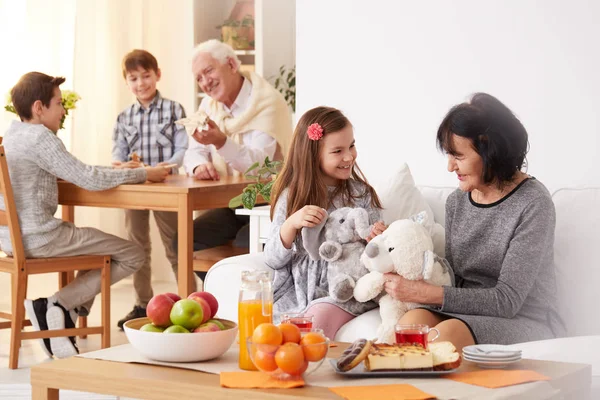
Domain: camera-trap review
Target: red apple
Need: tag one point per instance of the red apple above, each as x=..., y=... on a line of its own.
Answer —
x=212, y=301
x=187, y=313
x=174, y=296
x=205, y=307
x=208, y=327
x=159, y=310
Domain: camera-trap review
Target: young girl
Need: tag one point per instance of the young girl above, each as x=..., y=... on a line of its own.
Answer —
x=320, y=174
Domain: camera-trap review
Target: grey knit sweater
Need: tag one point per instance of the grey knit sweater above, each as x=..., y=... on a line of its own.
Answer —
x=502, y=255
x=36, y=157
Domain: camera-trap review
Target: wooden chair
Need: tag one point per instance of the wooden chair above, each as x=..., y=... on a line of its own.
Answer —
x=20, y=268
x=205, y=259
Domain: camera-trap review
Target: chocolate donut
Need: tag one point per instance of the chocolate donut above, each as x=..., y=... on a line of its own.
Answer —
x=354, y=354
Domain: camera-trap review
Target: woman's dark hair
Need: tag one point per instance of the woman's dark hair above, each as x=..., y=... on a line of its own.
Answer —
x=495, y=132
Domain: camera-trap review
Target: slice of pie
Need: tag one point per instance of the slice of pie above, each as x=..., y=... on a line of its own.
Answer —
x=441, y=356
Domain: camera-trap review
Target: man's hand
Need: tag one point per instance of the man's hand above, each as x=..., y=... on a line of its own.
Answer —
x=128, y=164
x=212, y=136
x=377, y=229
x=156, y=174
x=206, y=172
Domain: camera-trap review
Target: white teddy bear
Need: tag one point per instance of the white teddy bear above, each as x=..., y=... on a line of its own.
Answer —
x=405, y=248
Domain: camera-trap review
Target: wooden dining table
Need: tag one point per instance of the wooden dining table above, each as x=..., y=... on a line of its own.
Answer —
x=178, y=193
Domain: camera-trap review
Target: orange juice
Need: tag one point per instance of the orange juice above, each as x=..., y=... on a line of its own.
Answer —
x=250, y=315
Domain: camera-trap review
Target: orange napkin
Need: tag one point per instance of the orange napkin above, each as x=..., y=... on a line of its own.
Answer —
x=495, y=378
x=388, y=392
x=258, y=380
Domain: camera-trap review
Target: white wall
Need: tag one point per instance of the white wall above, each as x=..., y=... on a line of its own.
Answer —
x=396, y=67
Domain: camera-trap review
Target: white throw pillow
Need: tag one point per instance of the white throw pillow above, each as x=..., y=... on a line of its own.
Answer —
x=400, y=197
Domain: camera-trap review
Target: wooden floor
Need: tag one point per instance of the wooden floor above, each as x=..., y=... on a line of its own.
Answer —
x=32, y=354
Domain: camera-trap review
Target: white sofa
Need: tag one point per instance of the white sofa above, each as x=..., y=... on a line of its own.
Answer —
x=576, y=242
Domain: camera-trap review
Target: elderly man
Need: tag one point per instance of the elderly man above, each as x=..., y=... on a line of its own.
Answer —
x=249, y=120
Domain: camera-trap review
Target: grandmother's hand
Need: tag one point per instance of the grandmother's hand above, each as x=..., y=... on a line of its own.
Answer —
x=420, y=291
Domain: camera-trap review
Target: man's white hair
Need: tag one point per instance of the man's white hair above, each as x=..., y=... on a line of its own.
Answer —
x=219, y=50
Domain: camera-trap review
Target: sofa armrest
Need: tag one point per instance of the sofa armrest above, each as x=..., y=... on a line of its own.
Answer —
x=223, y=281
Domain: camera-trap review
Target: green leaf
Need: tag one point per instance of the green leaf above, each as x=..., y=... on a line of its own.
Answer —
x=252, y=168
x=236, y=201
x=249, y=199
x=265, y=191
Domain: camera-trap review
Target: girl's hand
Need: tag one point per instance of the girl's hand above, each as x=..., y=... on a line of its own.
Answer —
x=378, y=228
x=307, y=216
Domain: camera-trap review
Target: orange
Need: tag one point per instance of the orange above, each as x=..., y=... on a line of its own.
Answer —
x=265, y=361
x=290, y=358
x=313, y=350
x=267, y=333
x=290, y=332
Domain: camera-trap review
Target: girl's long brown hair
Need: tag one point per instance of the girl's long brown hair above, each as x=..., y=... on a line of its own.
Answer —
x=301, y=173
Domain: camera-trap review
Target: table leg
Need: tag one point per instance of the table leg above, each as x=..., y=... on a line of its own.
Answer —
x=185, y=273
x=68, y=214
x=43, y=393
x=255, y=246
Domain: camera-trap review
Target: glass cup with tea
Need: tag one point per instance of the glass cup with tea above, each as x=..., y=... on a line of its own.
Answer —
x=301, y=320
x=415, y=334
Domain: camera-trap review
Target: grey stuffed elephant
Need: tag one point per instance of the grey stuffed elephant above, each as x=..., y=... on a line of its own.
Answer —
x=341, y=239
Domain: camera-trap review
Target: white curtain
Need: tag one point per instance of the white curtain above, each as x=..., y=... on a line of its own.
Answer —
x=85, y=41
x=37, y=35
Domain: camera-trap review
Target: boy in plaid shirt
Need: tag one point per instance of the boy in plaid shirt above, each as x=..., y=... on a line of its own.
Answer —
x=148, y=129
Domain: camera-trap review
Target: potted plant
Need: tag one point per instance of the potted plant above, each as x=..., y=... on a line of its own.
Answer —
x=286, y=84
x=239, y=34
x=69, y=99
x=264, y=176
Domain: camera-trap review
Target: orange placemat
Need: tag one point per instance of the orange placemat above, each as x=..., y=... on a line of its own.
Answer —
x=256, y=380
x=387, y=392
x=495, y=378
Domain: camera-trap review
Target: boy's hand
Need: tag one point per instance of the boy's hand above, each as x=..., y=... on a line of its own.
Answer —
x=307, y=216
x=128, y=164
x=156, y=174
x=377, y=229
x=212, y=135
x=206, y=172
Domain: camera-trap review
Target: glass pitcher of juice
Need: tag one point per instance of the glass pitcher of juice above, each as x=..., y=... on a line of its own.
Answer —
x=255, y=307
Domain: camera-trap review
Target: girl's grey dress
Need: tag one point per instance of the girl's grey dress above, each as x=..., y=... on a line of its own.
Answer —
x=298, y=280
x=502, y=256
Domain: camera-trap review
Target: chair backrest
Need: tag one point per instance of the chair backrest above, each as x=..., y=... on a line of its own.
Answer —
x=8, y=216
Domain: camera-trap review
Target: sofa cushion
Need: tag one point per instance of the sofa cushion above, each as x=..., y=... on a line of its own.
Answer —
x=575, y=246
x=400, y=197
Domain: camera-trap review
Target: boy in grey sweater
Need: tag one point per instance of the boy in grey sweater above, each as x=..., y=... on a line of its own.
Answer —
x=36, y=157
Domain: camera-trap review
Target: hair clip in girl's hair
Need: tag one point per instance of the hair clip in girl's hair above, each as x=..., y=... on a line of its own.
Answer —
x=314, y=131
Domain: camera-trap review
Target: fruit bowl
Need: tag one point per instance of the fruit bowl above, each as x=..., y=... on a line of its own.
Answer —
x=180, y=347
x=289, y=360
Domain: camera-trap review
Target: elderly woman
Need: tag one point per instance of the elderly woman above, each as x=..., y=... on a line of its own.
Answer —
x=499, y=237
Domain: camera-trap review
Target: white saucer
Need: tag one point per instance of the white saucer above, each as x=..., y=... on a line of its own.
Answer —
x=491, y=364
x=499, y=359
x=491, y=351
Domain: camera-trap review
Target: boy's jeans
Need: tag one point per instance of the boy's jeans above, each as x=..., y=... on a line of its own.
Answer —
x=137, y=223
x=126, y=258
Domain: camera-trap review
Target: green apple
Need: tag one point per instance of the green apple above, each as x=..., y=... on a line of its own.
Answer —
x=208, y=327
x=218, y=323
x=176, y=329
x=151, y=328
x=187, y=313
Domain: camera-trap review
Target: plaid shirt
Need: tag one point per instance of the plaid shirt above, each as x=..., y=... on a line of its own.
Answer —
x=151, y=133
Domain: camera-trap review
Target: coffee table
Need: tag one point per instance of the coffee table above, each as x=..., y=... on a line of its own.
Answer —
x=165, y=383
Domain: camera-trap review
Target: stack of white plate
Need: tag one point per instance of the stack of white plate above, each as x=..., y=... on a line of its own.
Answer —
x=491, y=355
